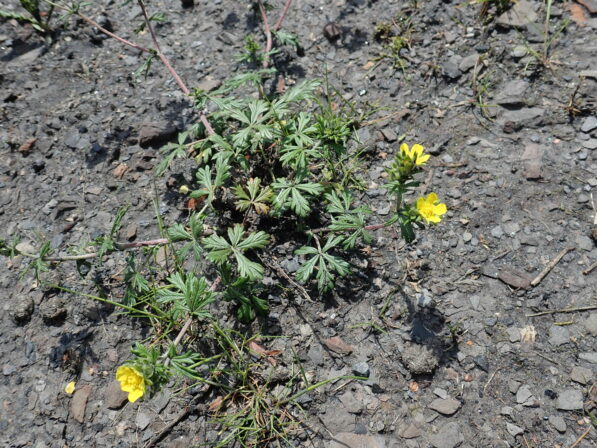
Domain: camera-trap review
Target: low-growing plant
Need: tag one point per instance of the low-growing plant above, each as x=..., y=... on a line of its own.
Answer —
x=38, y=18
x=271, y=169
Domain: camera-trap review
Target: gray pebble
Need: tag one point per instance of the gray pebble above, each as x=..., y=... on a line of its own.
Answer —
x=514, y=430
x=570, y=400
x=558, y=423
x=558, y=335
x=361, y=369
x=589, y=124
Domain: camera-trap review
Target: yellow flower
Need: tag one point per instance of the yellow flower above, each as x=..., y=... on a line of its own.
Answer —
x=415, y=153
x=131, y=381
x=183, y=189
x=70, y=388
x=430, y=209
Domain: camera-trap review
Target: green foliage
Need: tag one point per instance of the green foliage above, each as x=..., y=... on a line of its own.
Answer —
x=254, y=197
x=323, y=264
x=221, y=250
x=187, y=296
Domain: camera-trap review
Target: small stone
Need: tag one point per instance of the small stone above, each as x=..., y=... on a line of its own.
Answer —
x=467, y=237
x=361, y=369
x=589, y=357
x=351, y=404
x=506, y=410
x=441, y=393
x=513, y=334
x=447, y=406
x=581, y=375
x=497, y=232
x=332, y=31
x=558, y=335
x=114, y=397
x=449, y=436
x=78, y=403
x=520, y=14
x=450, y=70
x=591, y=324
x=523, y=394
x=155, y=134
x=558, y=423
x=519, y=51
x=468, y=62
x=588, y=124
x=481, y=362
x=22, y=310
x=142, y=420
x=351, y=440
x=585, y=243
x=570, y=400
x=590, y=144
x=411, y=431
x=514, y=430
x=513, y=94
x=516, y=279
x=389, y=135
x=131, y=231
x=532, y=162
x=208, y=84
x=337, y=345
x=419, y=359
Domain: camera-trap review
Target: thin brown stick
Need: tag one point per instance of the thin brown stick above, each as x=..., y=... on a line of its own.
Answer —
x=117, y=245
x=161, y=55
x=550, y=266
x=369, y=227
x=268, y=34
x=101, y=28
x=565, y=310
x=278, y=24
x=290, y=280
x=179, y=417
x=582, y=436
x=590, y=269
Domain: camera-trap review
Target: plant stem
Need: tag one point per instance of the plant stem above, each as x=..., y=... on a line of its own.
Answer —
x=189, y=320
x=99, y=27
x=161, y=55
x=278, y=24
x=369, y=227
x=268, y=34
x=119, y=246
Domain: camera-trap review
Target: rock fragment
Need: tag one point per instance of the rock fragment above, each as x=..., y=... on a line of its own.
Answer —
x=449, y=436
x=114, y=397
x=447, y=406
x=350, y=440
x=78, y=403
x=520, y=14
x=570, y=400
x=337, y=345
x=532, y=161
x=558, y=423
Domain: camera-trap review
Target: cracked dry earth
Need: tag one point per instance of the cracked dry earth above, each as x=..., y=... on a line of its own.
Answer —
x=473, y=352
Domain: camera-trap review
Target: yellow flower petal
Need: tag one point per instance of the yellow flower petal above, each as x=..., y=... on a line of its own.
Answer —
x=131, y=381
x=432, y=197
x=430, y=209
x=404, y=149
x=70, y=387
x=135, y=395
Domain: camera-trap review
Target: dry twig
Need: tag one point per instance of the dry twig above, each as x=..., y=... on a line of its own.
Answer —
x=550, y=266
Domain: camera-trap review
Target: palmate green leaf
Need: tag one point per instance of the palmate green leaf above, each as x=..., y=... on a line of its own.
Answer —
x=325, y=265
x=187, y=295
x=300, y=92
x=209, y=182
x=293, y=194
x=178, y=233
x=255, y=197
x=221, y=250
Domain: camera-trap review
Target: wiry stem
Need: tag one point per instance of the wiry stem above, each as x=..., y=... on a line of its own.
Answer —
x=117, y=245
x=278, y=24
x=189, y=320
x=268, y=34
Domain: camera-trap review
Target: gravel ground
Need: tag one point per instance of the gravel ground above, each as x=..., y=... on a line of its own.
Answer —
x=474, y=352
